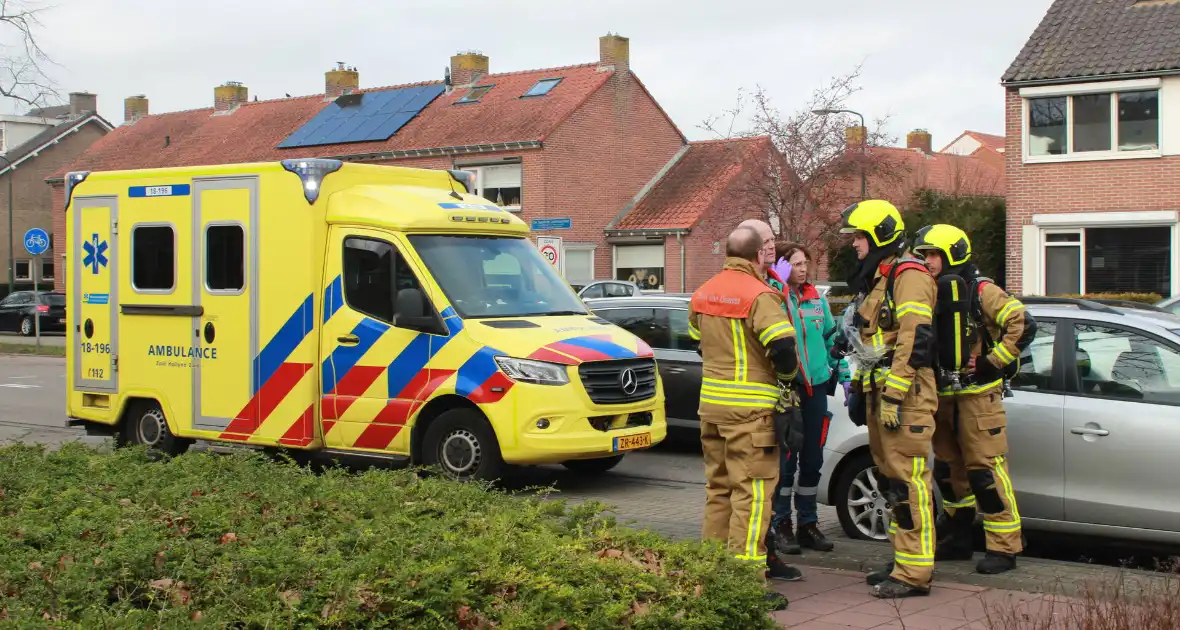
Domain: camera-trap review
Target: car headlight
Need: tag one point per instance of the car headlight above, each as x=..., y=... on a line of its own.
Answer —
x=536, y=372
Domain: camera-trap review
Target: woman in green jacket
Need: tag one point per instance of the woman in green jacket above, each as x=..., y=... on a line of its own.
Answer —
x=819, y=375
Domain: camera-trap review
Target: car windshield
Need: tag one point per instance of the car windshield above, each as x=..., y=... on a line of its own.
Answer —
x=53, y=299
x=496, y=276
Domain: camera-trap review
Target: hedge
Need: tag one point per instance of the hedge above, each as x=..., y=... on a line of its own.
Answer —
x=93, y=540
x=1146, y=298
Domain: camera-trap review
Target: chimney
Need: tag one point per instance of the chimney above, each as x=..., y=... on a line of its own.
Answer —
x=134, y=108
x=82, y=102
x=228, y=96
x=468, y=67
x=614, y=50
x=921, y=140
x=340, y=81
x=854, y=136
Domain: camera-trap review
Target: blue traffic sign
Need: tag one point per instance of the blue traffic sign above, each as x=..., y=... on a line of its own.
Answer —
x=552, y=224
x=36, y=241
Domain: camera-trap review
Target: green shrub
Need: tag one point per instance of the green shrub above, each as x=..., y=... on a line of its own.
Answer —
x=89, y=540
x=1146, y=298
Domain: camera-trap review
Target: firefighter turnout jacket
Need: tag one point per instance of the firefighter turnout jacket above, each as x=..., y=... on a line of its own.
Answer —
x=747, y=343
x=902, y=330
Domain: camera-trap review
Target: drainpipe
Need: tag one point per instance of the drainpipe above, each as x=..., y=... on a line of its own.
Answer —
x=683, y=271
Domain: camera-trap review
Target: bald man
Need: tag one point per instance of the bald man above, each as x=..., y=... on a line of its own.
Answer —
x=766, y=253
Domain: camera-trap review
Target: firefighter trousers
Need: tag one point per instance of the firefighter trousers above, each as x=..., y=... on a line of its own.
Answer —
x=971, y=445
x=741, y=470
x=902, y=457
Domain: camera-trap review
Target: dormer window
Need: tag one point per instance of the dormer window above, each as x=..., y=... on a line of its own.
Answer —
x=542, y=87
x=474, y=94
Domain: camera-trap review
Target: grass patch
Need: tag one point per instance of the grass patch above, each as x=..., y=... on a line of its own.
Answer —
x=92, y=540
x=31, y=349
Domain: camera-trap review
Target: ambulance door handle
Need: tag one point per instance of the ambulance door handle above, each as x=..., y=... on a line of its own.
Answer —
x=349, y=340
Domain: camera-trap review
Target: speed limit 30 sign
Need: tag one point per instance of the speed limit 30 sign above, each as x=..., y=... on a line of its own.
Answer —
x=550, y=247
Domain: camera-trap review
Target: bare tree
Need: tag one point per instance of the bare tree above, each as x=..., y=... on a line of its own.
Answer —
x=814, y=171
x=23, y=63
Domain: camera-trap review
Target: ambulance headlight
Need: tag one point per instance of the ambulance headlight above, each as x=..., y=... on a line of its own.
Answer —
x=536, y=372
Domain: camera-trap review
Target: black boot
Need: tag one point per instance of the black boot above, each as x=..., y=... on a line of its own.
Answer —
x=809, y=536
x=776, y=569
x=784, y=539
x=995, y=563
x=954, y=541
x=876, y=576
x=896, y=589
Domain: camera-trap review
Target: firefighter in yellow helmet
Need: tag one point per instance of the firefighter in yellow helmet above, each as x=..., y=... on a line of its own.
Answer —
x=889, y=332
x=981, y=331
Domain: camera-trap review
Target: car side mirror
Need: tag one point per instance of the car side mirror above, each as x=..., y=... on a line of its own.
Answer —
x=415, y=312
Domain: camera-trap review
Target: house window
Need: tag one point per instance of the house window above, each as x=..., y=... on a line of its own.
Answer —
x=47, y=270
x=500, y=184
x=22, y=270
x=1108, y=260
x=1099, y=124
x=641, y=264
x=579, y=265
x=542, y=87
x=474, y=94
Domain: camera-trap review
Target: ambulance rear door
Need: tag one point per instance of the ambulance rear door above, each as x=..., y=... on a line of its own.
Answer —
x=95, y=268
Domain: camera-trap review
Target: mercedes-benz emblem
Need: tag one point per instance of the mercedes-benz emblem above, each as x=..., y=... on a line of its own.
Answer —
x=628, y=381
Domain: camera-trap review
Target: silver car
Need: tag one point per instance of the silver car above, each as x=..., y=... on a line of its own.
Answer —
x=1093, y=429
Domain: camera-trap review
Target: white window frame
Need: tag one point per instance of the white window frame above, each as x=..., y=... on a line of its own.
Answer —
x=479, y=172
x=44, y=261
x=1114, y=87
x=582, y=248
x=1076, y=223
x=614, y=263
x=16, y=274
x=1080, y=244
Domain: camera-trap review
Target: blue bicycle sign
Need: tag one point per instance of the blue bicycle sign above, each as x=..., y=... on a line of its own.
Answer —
x=36, y=241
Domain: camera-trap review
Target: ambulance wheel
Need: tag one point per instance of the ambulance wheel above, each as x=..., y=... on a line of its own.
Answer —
x=461, y=443
x=26, y=326
x=593, y=466
x=147, y=426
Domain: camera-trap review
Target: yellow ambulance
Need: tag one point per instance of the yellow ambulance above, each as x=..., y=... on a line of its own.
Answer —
x=353, y=309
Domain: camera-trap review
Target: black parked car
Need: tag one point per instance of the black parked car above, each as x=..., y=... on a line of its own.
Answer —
x=18, y=310
x=662, y=321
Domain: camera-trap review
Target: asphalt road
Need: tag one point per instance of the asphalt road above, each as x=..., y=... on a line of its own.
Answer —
x=662, y=488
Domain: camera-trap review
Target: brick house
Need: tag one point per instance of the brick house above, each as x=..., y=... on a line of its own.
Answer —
x=578, y=142
x=49, y=139
x=1093, y=150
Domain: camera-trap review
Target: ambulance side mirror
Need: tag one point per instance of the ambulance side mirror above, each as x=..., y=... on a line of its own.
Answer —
x=415, y=312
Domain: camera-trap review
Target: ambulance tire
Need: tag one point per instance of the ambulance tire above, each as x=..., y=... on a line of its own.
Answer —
x=462, y=444
x=593, y=466
x=146, y=425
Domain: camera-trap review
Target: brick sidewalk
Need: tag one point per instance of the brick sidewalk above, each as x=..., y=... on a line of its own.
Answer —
x=831, y=599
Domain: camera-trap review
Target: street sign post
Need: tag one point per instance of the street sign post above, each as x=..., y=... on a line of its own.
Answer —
x=36, y=243
x=552, y=251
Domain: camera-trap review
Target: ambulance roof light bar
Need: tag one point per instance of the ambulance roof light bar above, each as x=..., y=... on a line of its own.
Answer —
x=311, y=172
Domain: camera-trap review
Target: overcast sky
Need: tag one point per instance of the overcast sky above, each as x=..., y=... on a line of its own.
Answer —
x=934, y=64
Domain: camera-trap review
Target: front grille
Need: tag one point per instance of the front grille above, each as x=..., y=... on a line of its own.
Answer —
x=602, y=380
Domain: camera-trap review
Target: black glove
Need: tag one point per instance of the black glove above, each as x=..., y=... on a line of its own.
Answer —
x=788, y=429
x=985, y=372
x=858, y=408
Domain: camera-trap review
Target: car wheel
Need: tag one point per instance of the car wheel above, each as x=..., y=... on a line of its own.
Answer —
x=593, y=466
x=26, y=326
x=146, y=425
x=463, y=446
x=860, y=501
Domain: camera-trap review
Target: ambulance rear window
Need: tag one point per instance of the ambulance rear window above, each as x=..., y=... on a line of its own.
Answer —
x=153, y=258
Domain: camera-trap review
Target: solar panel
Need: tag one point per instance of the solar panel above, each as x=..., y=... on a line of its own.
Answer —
x=364, y=117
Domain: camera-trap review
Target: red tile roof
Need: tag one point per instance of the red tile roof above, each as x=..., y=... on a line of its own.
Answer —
x=695, y=182
x=908, y=170
x=993, y=142
x=252, y=132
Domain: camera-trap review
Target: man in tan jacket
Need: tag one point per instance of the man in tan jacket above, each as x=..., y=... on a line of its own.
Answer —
x=982, y=331
x=748, y=348
x=894, y=387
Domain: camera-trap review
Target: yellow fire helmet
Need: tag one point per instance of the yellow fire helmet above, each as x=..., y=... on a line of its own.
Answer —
x=948, y=239
x=877, y=218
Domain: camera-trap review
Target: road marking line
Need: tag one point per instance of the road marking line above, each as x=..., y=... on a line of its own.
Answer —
x=19, y=386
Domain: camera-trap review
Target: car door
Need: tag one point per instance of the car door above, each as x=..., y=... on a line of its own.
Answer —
x=680, y=366
x=1035, y=423
x=1122, y=425
x=8, y=320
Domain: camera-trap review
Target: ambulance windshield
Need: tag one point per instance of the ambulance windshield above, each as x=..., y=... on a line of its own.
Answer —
x=496, y=276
